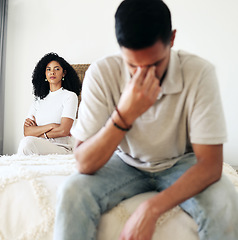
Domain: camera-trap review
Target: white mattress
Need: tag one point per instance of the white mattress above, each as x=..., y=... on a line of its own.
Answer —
x=28, y=187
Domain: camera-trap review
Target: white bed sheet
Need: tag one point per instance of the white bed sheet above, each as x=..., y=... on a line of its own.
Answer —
x=28, y=189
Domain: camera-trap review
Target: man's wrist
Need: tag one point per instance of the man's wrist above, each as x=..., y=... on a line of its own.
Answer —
x=119, y=127
x=128, y=119
x=119, y=120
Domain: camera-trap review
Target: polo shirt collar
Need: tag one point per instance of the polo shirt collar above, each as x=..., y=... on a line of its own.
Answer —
x=173, y=81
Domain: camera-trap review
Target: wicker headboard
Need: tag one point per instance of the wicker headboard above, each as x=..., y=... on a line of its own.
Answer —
x=80, y=70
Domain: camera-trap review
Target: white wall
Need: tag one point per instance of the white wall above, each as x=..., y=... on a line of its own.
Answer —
x=83, y=30
x=79, y=30
x=209, y=28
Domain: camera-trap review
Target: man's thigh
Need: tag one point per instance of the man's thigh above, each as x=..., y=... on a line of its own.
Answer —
x=110, y=185
x=167, y=177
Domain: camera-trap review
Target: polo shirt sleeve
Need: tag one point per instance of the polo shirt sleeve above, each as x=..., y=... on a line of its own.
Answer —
x=70, y=105
x=93, y=111
x=206, y=120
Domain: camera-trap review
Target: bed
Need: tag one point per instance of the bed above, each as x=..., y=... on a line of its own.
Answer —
x=28, y=190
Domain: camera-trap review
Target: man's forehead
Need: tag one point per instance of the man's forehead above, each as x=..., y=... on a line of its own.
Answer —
x=147, y=65
x=145, y=57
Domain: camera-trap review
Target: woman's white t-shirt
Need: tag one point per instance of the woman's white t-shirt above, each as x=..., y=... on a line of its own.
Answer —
x=57, y=104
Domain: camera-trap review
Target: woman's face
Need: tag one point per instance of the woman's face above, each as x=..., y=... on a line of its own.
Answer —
x=54, y=74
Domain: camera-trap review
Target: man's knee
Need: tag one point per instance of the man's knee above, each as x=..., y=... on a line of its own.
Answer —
x=219, y=195
x=76, y=194
x=218, y=201
x=74, y=187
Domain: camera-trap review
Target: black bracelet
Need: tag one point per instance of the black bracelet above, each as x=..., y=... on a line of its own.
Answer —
x=122, y=119
x=119, y=127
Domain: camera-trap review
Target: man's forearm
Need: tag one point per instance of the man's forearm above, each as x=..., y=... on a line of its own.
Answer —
x=92, y=154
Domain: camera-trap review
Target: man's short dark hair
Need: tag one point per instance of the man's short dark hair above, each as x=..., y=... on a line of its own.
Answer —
x=140, y=23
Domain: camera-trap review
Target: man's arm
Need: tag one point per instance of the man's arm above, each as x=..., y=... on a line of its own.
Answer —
x=206, y=171
x=140, y=94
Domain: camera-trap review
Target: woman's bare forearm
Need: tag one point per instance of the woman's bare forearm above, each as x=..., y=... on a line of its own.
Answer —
x=37, y=131
x=52, y=130
x=62, y=129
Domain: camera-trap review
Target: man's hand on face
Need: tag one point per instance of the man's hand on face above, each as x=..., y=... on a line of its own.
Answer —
x=139, y=94
x=141, y=224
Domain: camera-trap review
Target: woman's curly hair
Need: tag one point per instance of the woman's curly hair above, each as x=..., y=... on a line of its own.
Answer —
x=41, y=88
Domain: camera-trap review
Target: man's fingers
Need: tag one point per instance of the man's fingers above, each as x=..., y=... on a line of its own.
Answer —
x=139, y=76
x=149, y=78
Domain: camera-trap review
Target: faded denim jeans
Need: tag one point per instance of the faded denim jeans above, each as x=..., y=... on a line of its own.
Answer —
x=83, y=199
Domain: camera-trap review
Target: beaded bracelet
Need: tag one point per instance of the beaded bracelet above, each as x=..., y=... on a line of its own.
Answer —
x=119, y=127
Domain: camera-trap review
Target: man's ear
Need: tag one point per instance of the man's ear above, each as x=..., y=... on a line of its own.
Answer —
x=172, y=38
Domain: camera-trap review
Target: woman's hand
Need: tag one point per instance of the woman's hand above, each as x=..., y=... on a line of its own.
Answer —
x=32, y=129
x=62, y=129
x=29, y=122
x=53, y=130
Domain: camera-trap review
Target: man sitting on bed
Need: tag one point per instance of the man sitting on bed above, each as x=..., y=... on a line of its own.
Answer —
x=150, y=119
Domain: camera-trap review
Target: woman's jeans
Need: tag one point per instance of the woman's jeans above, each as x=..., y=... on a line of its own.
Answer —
x=84, y=198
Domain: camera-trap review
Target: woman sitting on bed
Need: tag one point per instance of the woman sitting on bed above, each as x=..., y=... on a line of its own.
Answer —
x=47, y=127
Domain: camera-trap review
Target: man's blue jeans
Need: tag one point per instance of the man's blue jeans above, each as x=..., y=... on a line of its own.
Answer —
x=84, y=198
